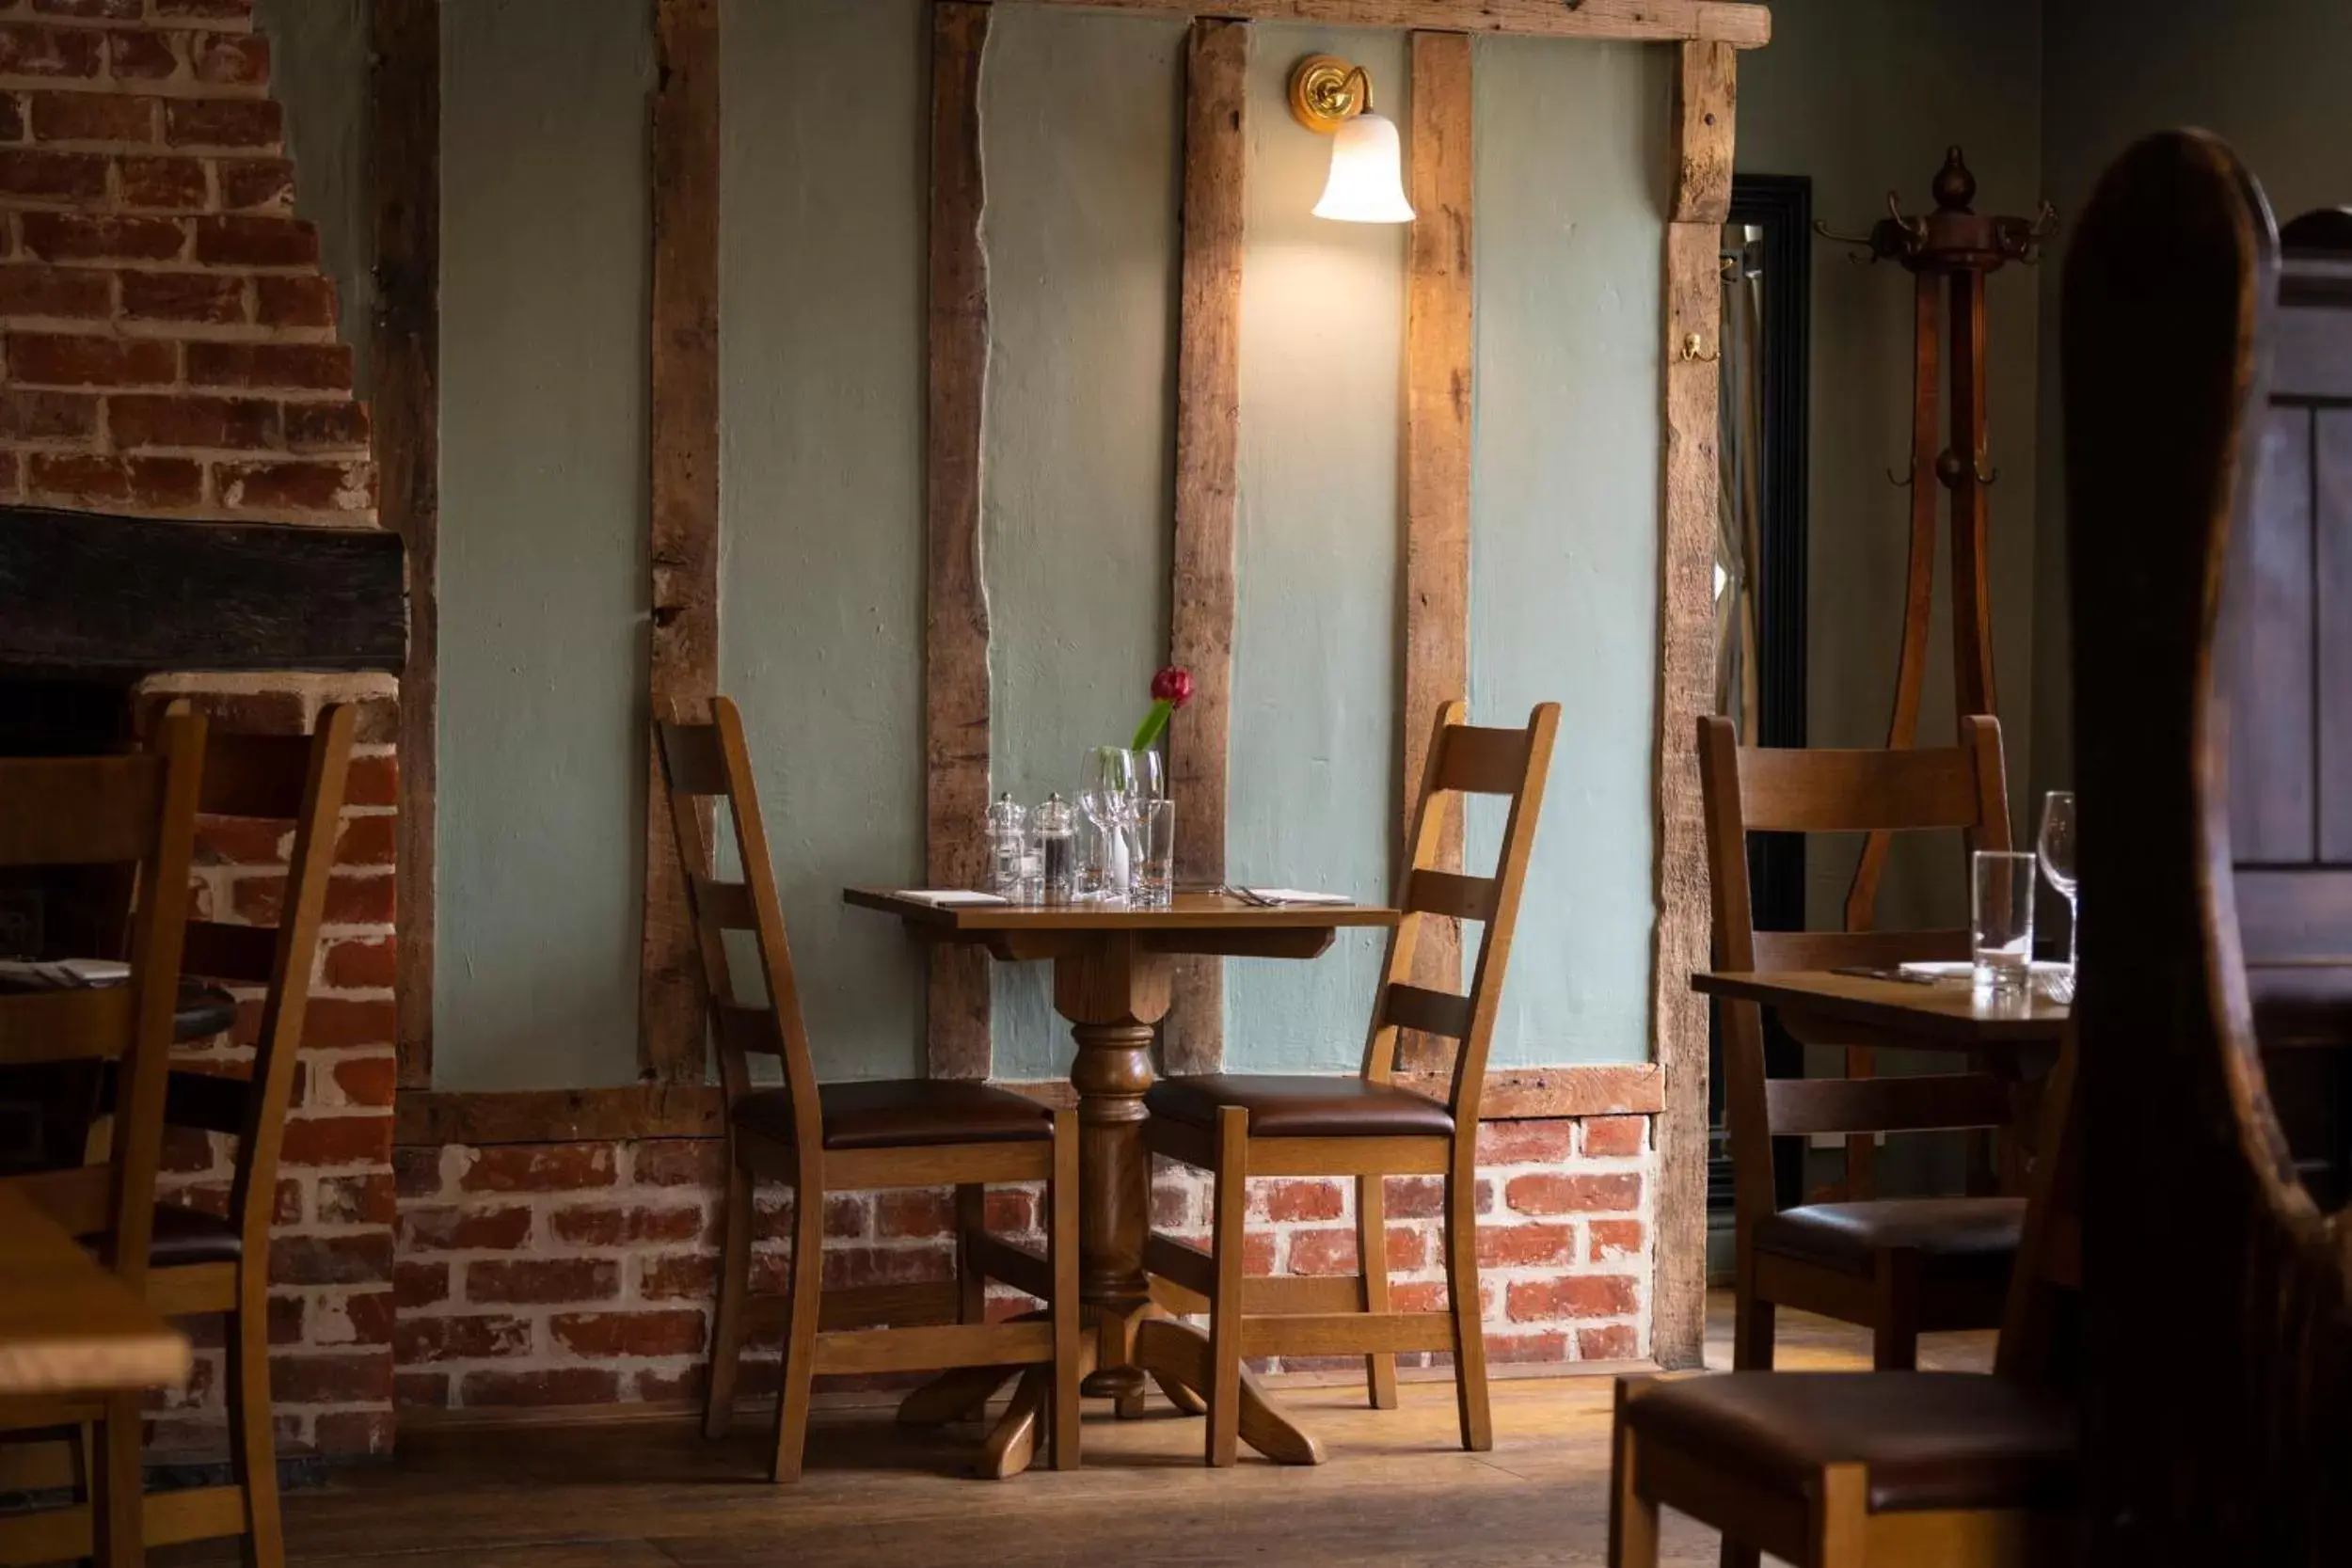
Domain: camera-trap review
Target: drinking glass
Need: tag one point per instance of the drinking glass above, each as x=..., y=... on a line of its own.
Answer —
x=2056, y=849
x=1115, y=781
x=2000, y=920
x=1156, y=855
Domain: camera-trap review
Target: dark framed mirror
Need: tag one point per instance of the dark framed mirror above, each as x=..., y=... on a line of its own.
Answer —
x=1760, y=575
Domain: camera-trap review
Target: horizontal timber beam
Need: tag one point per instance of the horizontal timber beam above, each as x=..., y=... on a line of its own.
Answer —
x=432, y=1118
x=1741, y=25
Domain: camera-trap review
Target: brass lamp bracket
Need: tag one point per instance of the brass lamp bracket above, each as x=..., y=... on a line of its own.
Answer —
x=1327, y=91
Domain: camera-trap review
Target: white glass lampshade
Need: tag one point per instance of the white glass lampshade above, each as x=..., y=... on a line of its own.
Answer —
x=1367, y=182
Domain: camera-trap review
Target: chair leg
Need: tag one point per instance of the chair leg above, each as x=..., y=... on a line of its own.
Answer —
x=1228, y=1221
x=971, y=1285
x=1372, y=1254
x=1752, y=1327
x=118, y=1501
x=735, y=1289
x=799, y=1333
x=1894, y=1331
x=1061, y=1202
x=1632, y=1518
x=1462, y=1301
x=1841, y=1518
x=254, y=1456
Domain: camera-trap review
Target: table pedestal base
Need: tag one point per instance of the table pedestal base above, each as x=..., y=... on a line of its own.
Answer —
x=1174, y=1355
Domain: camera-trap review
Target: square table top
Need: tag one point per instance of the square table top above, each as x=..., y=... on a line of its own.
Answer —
x=67, y=1325
x=1934, y=1012
x=1189, y=911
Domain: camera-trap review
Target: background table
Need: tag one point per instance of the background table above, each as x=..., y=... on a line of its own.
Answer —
x=1112, y=970
x=1903, y=1014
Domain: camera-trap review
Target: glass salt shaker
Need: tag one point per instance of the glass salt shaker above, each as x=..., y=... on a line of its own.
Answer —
x=1008, y=846
x=1057, y=833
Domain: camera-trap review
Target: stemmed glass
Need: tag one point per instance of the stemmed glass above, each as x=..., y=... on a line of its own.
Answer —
x=1115, y=785
x=2056, y=848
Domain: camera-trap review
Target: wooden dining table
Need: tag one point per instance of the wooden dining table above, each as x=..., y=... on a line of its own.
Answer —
x=1113, y=969
x=1946, y=1015
x=69, y=1326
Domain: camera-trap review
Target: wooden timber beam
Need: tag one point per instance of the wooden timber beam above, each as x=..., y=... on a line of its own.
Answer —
x=1705, y=95
x=1208, y=461
x=1439, y=317
x=481, y=1118
x=684, y=480
x=1727, y=22
x=406, y=88
x=955, y=642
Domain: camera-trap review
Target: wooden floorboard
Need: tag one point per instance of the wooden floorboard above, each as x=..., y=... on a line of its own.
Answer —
x=1397, y=1490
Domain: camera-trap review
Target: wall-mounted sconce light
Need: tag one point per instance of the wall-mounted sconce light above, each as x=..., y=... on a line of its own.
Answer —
x=1367, y=184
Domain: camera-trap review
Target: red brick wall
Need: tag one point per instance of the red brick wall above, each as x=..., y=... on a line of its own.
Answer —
x=169, y=346
x=575, y=1274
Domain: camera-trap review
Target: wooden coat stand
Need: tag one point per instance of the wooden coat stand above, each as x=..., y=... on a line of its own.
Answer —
x=1949, y=253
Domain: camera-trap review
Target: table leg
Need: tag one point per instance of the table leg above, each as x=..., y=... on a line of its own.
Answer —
x=1176, y=1353
x=1113, y=993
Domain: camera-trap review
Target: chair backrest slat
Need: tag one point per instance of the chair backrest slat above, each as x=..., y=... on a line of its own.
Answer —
x=79, y=811
x=256, y=775
x=1432, y=1012
x=710, y=759
x=752, y=1030
x=725, y=905
x=1926, y=1102
x=1475, y=761
x=240, y=955
x=1806, y=791
x=1851, y=949
x=691, y=760
x=1746, y=790
x=1451, y=894
x=1462, y=760
x=87, y=1025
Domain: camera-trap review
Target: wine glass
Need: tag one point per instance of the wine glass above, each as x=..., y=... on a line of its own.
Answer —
x=1107, y=793
x=2056, y=848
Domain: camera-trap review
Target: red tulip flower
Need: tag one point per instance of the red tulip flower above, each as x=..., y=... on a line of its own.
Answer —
x=1172, y=688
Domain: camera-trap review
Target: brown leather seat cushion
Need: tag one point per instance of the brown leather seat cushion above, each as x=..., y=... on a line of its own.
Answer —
x=185, y=1236
x=904, y=1113
x=1932, y=1440
x=1303, y=1106
x=1955, y=1235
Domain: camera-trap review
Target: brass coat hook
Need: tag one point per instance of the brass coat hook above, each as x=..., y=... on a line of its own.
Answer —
x=1694, y=351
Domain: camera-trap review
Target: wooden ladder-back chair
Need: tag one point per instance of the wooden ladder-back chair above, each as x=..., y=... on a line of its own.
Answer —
x=2208, y=401
x=199, y=1263
x=137, y=812
x=1889, y=1469
x=1901, y=1266
x=1236, y=1126
x=855, y=1137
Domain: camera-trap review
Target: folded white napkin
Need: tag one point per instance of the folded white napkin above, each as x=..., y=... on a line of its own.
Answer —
x=950, y=897
x=1296, y=895
x=66, y=974
x=1961, y=969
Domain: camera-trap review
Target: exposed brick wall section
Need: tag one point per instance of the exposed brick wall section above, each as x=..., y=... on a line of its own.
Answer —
x=580, y=1273
x=169, y=347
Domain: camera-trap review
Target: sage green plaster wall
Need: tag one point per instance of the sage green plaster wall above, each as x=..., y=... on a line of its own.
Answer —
x=1865, y=99
x=823, y=185
x=1082, y=132
x=1315, y=670
x=1573, y=159
x=822, y=355
x=543, y=541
